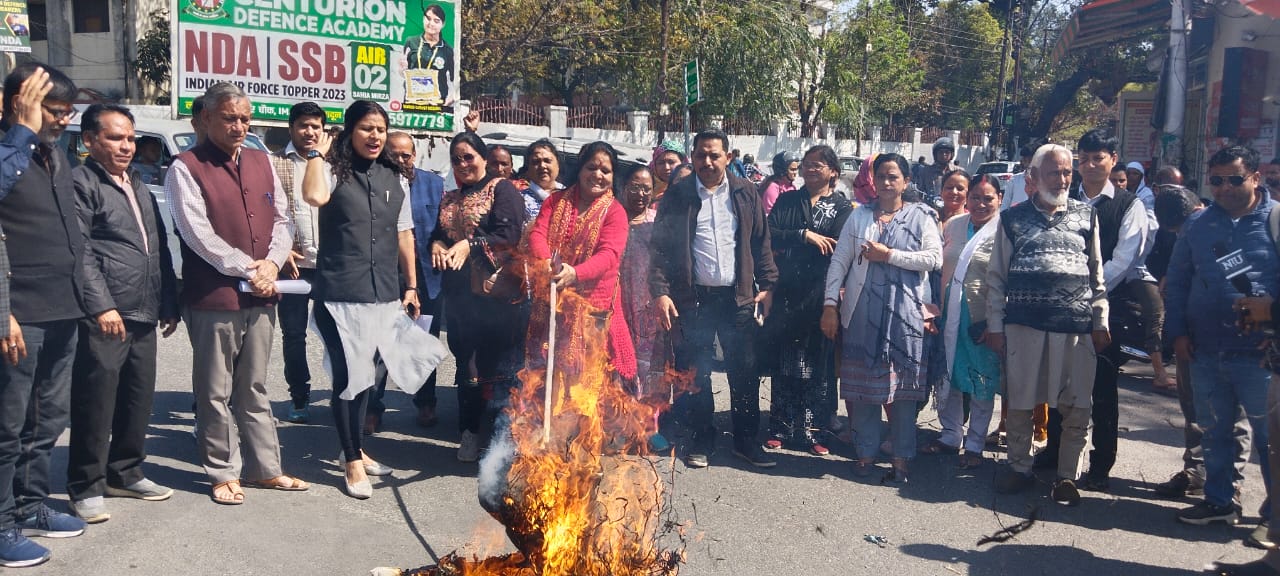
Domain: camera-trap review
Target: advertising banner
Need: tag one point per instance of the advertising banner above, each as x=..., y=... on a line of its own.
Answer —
x=15, y=36
x=401, y=54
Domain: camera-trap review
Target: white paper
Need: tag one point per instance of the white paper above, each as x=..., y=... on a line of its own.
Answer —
x=424, y=322
x=282, y=286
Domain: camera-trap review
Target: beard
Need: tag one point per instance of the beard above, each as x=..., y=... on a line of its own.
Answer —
x=1055, y=198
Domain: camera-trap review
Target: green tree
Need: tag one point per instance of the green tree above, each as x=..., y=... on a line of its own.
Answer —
x=894, y=76
x=153, y=63
x=961, y=44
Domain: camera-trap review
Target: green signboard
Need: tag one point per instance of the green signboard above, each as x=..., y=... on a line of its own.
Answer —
x=16, y=34
x=692, y=84
x=401, y=54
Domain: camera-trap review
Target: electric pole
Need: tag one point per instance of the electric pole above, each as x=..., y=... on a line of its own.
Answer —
x=998, y=120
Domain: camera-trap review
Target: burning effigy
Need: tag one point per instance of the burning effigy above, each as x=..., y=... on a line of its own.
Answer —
x=569, y=473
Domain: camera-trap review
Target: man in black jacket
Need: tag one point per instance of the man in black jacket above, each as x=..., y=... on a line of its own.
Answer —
x=711, y=274
x=45, y=250
x=129, y=286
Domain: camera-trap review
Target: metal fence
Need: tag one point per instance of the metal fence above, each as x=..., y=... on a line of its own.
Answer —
x=598, y=117
x=503, y=111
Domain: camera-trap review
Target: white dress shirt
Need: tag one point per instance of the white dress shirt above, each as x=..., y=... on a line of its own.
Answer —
x=1016, y=192
x=715, y=237
x=1126, y=261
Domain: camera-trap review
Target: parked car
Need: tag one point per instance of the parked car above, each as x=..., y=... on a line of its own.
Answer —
x=175, y=137
x=1002, y=170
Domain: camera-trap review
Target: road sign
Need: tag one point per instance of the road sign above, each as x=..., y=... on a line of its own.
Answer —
x=692, y=84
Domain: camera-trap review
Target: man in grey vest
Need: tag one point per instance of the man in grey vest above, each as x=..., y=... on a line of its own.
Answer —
x=232, y=215
x=1047, y=315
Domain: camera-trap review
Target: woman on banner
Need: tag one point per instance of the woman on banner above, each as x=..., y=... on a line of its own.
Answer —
x=479, y=227
x=428, y=69
x=365, y=246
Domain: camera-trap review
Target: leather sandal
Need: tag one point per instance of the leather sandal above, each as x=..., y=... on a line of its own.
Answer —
x=282, y=482
x=231, y=487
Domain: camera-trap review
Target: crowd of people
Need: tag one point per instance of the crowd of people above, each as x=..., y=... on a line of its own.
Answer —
x=871, y=296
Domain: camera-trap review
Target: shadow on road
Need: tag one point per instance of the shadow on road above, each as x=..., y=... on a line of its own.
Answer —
x=1029, y=559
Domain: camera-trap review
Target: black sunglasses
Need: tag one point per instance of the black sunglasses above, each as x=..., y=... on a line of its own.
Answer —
x=1235, y=180
x=467, y=158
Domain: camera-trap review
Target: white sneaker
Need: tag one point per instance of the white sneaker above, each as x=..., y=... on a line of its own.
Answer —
x=469, y=447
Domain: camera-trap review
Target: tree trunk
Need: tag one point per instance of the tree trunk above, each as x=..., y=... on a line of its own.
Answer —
x=1063, y=93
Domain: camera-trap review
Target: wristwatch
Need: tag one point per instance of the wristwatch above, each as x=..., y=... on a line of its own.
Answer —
x=313, y=154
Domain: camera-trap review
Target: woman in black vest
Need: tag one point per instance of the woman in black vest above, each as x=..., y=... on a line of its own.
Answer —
x=366, y=231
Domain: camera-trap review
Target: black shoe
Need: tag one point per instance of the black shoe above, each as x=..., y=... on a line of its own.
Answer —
x=1179, y=485
x=1046, y=459
x=1013, y=482
x=1095, y=484
x=1204, y=513
x=753, y=453
x=1065, y=492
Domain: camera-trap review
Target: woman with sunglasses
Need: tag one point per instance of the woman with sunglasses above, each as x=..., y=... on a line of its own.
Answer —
x=479, y=227
x=803, y=227
x=365, y=246
x=580, y=236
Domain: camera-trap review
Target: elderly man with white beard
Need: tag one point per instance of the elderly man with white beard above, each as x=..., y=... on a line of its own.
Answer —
x=1047, y=314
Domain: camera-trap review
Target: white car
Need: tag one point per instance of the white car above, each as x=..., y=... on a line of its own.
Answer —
x=175, y=137
x=1002, y=170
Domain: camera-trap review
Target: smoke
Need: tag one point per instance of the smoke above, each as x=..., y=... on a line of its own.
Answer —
x=495, y=465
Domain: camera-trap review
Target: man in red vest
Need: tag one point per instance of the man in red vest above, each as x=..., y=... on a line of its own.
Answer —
x=232, y=216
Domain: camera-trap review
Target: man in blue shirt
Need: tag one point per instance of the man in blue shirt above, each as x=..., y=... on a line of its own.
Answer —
x=425, y=191
x=1201, y=288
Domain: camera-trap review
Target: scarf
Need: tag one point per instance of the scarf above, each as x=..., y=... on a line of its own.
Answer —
x=955, y=293
x=461, y=213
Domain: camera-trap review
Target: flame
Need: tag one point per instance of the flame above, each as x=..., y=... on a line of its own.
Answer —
x=588, y=501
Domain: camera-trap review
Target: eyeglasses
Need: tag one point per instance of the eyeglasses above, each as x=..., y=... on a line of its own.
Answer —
x=403, y=157
x=463, y=159
x=638, y=189
x=814, y=166
x=60, y=113
x=1235, y=180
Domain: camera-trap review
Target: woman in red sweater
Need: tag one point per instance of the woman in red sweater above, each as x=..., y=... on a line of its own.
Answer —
x=584, y=229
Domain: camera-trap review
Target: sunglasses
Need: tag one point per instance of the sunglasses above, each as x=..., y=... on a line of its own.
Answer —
x=1235, y=180
x=464, y=159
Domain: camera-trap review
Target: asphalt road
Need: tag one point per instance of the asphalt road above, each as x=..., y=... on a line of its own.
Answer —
x=806, y=516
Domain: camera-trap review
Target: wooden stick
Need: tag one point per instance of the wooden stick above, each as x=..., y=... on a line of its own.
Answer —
x=551, y=368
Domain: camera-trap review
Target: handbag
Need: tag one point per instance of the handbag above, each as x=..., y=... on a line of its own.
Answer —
x=497, y=282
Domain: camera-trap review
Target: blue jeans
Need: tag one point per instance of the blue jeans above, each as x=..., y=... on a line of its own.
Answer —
x=1224, y=383
x=35, y=402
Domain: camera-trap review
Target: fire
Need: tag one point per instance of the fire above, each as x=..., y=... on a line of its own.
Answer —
x=588, y=501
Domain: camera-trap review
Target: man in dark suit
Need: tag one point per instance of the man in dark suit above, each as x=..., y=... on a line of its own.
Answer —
x=46, y=245
x=129, y=287
x=711, y=275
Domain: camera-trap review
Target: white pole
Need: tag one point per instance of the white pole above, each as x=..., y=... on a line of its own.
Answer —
x=551, y=368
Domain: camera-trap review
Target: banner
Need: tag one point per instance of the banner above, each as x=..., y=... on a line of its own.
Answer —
x=401, y=54
x=15, y=36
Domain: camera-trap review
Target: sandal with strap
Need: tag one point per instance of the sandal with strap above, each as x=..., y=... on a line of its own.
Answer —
x=938, y=447
x=282, y=482
x=231, y=487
